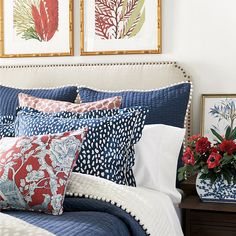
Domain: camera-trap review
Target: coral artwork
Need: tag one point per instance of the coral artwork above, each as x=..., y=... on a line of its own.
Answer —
x=119, y=19
x=36, y=19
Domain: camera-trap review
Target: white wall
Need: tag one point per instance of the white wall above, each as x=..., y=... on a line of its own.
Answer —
x=199, y=34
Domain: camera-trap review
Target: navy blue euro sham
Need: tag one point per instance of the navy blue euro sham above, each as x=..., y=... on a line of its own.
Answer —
x=107, y=151
x=166, y=106
x=85, y=217
x=9, y=96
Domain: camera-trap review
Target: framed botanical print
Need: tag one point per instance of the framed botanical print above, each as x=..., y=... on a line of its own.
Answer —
x=218, y=113
x=110, y=27
x=36, y=28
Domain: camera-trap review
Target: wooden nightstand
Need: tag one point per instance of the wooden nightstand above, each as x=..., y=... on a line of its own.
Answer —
x=208, y=219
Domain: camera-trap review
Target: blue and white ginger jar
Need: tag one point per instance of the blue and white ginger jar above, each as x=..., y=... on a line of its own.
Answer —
x=220, y=191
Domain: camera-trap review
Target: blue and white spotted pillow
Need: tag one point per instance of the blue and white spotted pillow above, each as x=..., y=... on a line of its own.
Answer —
x=85, y=115
x=7, y=126
x=107, y=151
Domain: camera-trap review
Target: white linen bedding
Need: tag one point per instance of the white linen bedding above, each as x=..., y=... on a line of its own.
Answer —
x=156, y=158
x=153, y=209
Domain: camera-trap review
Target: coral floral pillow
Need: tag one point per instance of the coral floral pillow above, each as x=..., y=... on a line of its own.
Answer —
x=34, y=170
x=47, y=105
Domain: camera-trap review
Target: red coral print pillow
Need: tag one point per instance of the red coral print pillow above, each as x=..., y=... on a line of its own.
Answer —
x=47, y=105
x=34, y=170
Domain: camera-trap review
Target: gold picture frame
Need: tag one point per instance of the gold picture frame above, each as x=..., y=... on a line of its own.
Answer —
x=211, y=108
x=156, y=50
x=70, y=37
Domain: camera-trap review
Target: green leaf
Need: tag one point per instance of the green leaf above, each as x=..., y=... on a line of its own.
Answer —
x=183, y=168
x=218, y=136
x=227, y=159
x=233, y=134
x=196, y=167
x=31, y=34
x=181, y=176
x=139, y=25
x=228, y=132
x=227, y=175
x=234, y=179
x=134, y=16
x=190, y=170
x=203, y=176
x=213, y=178
x=205, y=169
x=125, y=4
x=181, y=173
x=22, y=17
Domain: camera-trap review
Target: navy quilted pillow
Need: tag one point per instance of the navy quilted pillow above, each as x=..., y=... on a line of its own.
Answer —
x=9, y=96
x=107, y=151
x=166, y=106
x=7, y=127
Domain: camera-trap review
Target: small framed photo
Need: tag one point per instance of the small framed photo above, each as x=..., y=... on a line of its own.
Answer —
x=218, y=112
x=30, y=28
x=111, y=27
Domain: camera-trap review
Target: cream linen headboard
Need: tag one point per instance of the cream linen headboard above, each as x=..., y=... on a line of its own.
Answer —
x=114, y=76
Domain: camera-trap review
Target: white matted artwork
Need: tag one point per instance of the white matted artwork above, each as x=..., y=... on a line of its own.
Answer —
x=218, y=112
x=36, y=28
x=120, y=27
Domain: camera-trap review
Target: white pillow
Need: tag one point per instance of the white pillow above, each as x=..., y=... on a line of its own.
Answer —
x=156, y=160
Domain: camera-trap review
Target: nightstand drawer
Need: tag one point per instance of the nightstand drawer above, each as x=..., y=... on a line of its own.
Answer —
x=208, y=219
x=207, y=223
x=204, y=230
x=213, y=218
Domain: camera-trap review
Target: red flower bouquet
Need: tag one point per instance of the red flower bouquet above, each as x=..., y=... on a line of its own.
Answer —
x=210, y=160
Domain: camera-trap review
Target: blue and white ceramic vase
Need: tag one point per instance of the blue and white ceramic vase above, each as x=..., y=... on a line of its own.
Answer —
x=220, y=191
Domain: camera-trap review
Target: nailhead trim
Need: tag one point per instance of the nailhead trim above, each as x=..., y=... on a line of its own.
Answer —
x=93, y=64
x=188, y=118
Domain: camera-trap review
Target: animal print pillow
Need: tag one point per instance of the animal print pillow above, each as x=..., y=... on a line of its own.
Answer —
x=7, y=126
x=107, y=151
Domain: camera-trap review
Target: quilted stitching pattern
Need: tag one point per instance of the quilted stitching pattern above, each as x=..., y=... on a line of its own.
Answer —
x=166, y=106
x=80, y=223
x=9, y=96
x=10, y=226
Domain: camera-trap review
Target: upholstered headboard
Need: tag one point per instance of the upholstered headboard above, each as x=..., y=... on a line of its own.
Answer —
x=116, y=76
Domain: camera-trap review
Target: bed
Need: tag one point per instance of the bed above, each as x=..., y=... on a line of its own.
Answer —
x=93, y=205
